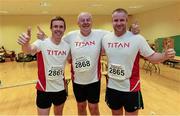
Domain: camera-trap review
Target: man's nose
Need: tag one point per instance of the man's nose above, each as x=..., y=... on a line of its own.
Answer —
x=86, y=21
x=118, y=22
x=58, y=28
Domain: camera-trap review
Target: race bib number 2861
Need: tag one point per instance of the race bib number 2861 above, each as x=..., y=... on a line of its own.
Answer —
x=55, y=72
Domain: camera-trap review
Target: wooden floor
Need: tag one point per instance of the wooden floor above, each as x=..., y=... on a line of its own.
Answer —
x=161, y=92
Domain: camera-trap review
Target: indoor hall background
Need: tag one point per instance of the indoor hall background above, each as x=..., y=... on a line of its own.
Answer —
x=161, y=92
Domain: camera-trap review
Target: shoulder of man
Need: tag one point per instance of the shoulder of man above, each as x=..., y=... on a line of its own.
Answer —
x=108, y=35
x=72, y=32
x=101, y=30
x=68, y=37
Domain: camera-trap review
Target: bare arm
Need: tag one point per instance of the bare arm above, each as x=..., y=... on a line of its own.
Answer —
x=160, y=57
x=24, y=39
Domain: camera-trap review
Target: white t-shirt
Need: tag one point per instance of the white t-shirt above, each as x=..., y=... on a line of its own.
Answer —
x=123, y=55
x=85, y=52
x=51, y=60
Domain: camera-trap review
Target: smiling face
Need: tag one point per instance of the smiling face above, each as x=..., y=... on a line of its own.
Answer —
x=57, y=29
x=85, y=23
x=135, y=29
x=119, y=22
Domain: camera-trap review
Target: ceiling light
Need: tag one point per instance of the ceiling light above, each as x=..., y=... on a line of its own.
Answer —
x=95, y=5
x=43, y=4
x=136, y=7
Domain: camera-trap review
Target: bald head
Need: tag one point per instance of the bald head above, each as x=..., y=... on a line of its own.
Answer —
x=85, y=23
x=84, y=14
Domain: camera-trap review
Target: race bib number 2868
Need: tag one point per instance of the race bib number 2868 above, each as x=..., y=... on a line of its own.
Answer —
x=82, y=64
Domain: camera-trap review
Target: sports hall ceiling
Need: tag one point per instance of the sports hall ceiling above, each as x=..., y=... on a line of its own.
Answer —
x=74, y=7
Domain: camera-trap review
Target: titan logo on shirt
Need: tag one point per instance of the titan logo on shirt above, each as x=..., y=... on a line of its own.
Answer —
x=119, y=45
x=56, y=52
x=84, y=43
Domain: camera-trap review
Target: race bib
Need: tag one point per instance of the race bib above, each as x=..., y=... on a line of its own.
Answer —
x=55, y=72
x=116, y=71
x=82, y=64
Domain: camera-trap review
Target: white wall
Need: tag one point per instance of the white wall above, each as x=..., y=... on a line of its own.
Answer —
x=162, y=22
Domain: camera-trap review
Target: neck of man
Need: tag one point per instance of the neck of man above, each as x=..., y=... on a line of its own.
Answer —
x=119, y=33
x=85, y=33
x=56, y=40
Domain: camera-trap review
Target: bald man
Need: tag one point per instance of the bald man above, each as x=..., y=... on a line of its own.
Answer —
x=85, y=47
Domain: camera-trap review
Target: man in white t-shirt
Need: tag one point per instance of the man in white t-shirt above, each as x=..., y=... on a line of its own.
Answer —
x=85, y=47
x=51, y=57
x=123, y=52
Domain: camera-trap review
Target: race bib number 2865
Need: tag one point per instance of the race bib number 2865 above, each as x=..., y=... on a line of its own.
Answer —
x=116, y=71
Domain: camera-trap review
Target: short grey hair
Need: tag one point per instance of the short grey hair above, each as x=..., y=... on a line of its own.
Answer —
x=83, y=13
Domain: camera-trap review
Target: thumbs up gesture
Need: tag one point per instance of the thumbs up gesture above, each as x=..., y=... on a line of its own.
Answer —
x=40, y=34
x=170, y=53
x=24, y=38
